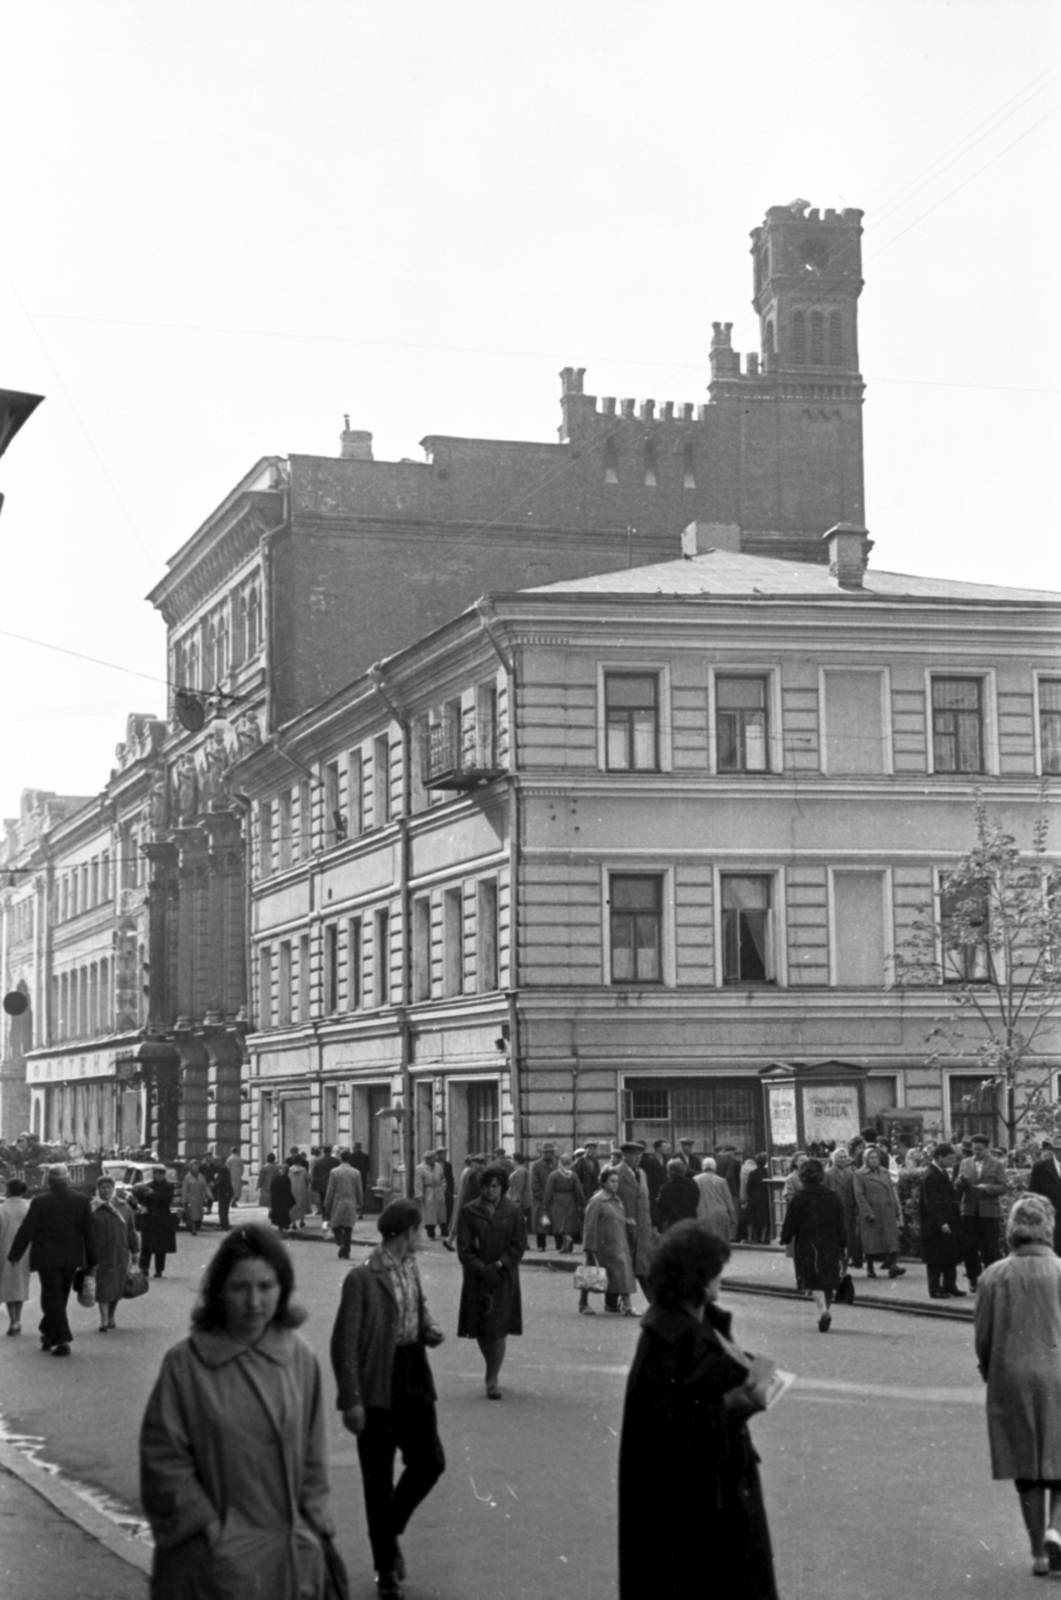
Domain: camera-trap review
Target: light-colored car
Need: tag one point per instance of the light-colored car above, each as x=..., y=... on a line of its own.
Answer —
x=127, y=1174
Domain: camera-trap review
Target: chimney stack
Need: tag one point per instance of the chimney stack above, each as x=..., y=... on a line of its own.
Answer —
x=700, y=537
x=354, y=443
x=849, y=546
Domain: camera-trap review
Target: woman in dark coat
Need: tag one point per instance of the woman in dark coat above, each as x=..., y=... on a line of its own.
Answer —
x=491, y=1239
x=678, y=1196
x=941, y=1226
x=158, y=1230
x=814, y=1225
x=757, y=1213
x=686, y=1460
x=281, y=1199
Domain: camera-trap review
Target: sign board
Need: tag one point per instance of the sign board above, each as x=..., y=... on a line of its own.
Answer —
x=781, y=1098
x=830, y=1112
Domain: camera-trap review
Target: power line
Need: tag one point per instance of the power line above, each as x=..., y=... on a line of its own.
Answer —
x=46, y=644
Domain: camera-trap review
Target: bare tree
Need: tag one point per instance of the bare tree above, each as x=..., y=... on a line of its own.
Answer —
x=992, y=941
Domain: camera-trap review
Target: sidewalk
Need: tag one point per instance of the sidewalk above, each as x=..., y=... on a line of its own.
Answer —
x=56, y=1546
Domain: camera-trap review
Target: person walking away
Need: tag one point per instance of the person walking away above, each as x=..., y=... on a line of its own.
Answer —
x=540, y=1171
x=1017, y=1334
x=236, y=1168
x=653, y=1164
x=233, y=1461
x=728, y=1165
x=442, y=1155
x=686, y=1459
x=981, y=1184
x=281, y=1199
x=467, y=1189
x=606, y=1241
x=755, y=1215
x=941, y=1226
x=14, y=1275
x=491, y=1242
x=223, y=1194
x=1045, y=1179
x=429, y=1189
x=195, y=1195
x=57, y=1232
x=298, y=1174
x=840, y=1178
x=679, y=1198
x=519, y=1188
x=320, y=1171
x=386, y=1393
x=878, y=1214
x=344, y=1202
x=633, y=1192
x=362, y=1164
x=157, y=1228
x=814, y=1225
x=715, y=1203
x=564, y=1204
x=117, y=1245
x=269, y=1171
x=501, y=1159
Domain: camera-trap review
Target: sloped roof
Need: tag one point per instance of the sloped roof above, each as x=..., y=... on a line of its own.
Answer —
x=728, y=572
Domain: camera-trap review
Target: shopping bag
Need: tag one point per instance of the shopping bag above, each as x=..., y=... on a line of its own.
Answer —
x=135, y=1283
x=86, y=1293
x=845, y=1294
x=593, y=1279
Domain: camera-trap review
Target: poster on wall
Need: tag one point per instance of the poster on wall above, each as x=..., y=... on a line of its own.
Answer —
x=782, y=1100
x=830, y=1112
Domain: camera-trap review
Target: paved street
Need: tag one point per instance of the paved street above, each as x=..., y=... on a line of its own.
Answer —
x=875, y=1464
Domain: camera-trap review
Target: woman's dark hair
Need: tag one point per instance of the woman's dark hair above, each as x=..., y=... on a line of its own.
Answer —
x=675, y=1167
x=686, y=1260
x=252, y=1243
x=271, y=1156
x=496, y=1174
x=812, y=1172
x=398, y=1216
x=15, y=1186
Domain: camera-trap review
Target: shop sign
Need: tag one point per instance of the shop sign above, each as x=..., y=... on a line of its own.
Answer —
x=830, y=1112
x=782, y=1101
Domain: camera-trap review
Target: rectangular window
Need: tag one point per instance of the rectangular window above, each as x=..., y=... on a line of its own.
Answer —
x=854, y=722
x=741, y=720
x=334, y=818
x=957, y=725
x=486, y=727
x=963, y=915
x=283, y=983
x=381, y=780
x=265, y=986
x=355, y=998
x=285, y=825
x=382, y=957
x=484, y=1126
x=973, y=1109
x=305, y=975
x=355, y=793
x=305, y=820
x=747, y=929
x=858, y=931
x=636, y=927
x=712, y=1114
x=486, y=965
x=453, y=941
x=331, y=968
x=422, y=948
x=105, y=875
x=265, y=837
x=631, y=710
x=94, y=881
x=1050, y=724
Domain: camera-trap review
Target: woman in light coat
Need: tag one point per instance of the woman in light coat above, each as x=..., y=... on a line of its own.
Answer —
x=606, y=1242
x=878, y=1214
x=716, y=1207
x=117, y=1244
x=429, y=1187
x=299, y=1179
x=1017, y=1334
x=233, y=1474
x=14, y=1275
x=195, y=1197
x=343, y=1201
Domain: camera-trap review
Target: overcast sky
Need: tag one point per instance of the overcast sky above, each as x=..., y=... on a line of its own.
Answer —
x=227, y=224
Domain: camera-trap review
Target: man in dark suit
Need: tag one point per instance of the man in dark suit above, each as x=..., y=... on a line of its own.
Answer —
x=727, y=1165
x=57, y=1232
x=981, y=1183
x=653, y=1164
x=685, y=1150
x=1045, y=1179
x=941, y=1227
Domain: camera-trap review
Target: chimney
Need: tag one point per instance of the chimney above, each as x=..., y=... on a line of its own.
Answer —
x=849, y=546
x=701, y=537
x=354, y=443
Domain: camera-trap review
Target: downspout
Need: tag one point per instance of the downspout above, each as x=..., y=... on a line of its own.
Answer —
x=243, y=805
x=483, y=609
x=406, y=1130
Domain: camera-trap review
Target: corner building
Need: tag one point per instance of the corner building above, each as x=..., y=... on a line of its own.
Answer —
x=632, y=854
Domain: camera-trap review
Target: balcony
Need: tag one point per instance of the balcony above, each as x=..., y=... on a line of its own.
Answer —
x=452, y=761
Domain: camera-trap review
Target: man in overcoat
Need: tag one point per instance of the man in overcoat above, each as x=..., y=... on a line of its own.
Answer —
x=386, y=1391
x=1045, y=1179
x=941, y=1226
x=981, y=1184
x=633, y=1192
x=319, y=1173
x=540, y=1171
x=587, y=1169
x=57, y=1231
x=343, y=1202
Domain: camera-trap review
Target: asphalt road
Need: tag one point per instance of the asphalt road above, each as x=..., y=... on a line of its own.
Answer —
x=874, y=1464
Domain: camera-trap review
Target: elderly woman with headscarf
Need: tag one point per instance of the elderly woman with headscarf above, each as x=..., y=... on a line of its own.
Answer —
x=814, y=1225
x=717, y=1208
x=878, y=1214
x=564, y=1204
x=117, y=1246
x=607, y=1242
x=840, y=1178
x=1017, y=1334
x=679, y=1198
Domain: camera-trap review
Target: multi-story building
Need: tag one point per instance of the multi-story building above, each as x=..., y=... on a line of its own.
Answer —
x=313, y=568
x=634, y=854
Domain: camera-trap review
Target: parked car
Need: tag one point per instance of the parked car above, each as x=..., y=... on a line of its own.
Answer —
x=127, y=1174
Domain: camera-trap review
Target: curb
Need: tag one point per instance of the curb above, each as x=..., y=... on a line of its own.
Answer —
x=75, y=1508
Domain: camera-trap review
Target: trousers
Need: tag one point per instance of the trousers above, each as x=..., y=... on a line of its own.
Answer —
x=410, y=1425
x=56, y=1283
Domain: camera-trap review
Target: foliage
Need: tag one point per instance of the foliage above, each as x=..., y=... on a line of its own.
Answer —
x=993, y=944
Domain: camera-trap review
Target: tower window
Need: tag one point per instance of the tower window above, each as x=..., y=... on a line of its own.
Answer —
x=651, y=477
x=688, y=468
x=768, y=337
x=799, y=339
x=611, y=462
x=836, y=343
x=817, y=339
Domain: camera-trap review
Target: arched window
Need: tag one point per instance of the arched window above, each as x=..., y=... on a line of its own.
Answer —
x=651, y=475
x=254, y=621
x=768, y=337
x=191, y=680
x=611, y=462
x=222, y=645
x=210, y=654
x=106, y=1010
x=239, y=630
x=799, y=339
x=817, y=339
x=688, y=468
x=836, y=342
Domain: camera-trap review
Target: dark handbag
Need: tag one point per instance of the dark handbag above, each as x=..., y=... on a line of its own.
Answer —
x=845, y=1294
x=136, y=1283
x=336, y=1582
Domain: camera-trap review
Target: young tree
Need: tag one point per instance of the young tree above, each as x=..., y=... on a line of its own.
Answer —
x=993, y=942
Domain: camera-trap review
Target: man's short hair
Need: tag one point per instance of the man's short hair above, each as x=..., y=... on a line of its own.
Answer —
x=980, y=1138
x=398, y=1217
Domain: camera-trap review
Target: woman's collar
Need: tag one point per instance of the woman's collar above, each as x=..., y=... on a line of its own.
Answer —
x=215, y=1348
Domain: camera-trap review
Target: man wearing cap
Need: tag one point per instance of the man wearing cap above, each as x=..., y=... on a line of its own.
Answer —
x=500, y=1159
x=587, y=1169
x=653, y=1164
x=981, y=1183
x=1045, y=1179
x=685, y=1150
x=57, y=1231
x=156, y=1226
x=386, y=1391
x=633, y=1192
x=539, y=1178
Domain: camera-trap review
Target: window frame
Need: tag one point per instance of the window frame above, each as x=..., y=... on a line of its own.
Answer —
x=738, y=712
x=1042, y=675
x=487, y=938
x=989, y=756
x=661, y=671
x=355, y=958
x=454, y=941
x=888, y=746
x=778, y=946
x=774, y=730
x=639, y=868
x=938, y=890
x=330, y=969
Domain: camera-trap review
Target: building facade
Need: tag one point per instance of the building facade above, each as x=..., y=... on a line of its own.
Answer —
x=634, y=854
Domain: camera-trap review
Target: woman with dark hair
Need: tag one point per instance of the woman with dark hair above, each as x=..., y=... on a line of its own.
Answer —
x=232, y=1447
x=814, y=1225
x=1017, y=1333
x=281, y=1198
x=686, y=1459
x=491, y=1239
x=678, y=1196
x=117, y=1245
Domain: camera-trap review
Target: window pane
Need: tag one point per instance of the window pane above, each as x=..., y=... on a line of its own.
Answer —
x=635, y=894
x=746, y=894
x=755, y=741
x=969, y=743
x=956, y=693
x=648, y=968
x=1050, y=694
x=621, y=690
x=618, y=730
x=644, y=729
x=728, y=749
x=745, y=692
x=623, y=949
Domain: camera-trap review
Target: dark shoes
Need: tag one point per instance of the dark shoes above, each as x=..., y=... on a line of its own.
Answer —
x=61, y=1350
x=897, y=1272
x=388, y=1586
x=825, y=1322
